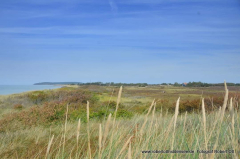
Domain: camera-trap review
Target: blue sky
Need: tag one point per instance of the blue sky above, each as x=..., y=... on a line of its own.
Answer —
x=151, y=41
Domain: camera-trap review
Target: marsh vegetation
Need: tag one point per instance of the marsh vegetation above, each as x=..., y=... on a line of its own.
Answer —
x=126, y=122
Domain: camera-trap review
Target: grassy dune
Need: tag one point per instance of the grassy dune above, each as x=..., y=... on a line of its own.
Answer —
x=74, y=128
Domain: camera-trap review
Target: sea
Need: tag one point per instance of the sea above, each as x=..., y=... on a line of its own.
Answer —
x=14, y=89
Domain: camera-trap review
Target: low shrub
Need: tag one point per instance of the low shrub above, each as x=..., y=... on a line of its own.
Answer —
x=62, y=95
x=18, y=106
x=37, y=96
x=189, y=105
x=54, y=111
x=122, y=113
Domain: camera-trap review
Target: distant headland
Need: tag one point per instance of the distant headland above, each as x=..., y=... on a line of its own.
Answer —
x=176, y=84
x=57, y=83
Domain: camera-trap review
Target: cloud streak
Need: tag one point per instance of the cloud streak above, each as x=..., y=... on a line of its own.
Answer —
x=113, y=6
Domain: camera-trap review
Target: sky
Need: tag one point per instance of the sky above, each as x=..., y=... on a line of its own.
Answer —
x=131, y=41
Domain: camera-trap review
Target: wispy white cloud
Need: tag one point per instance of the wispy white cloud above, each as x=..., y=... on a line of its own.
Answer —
x=113, y=6
x=44, y=2
x=163, y=1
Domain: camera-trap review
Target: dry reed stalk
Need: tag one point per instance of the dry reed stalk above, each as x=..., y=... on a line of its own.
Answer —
x=65, y=129
x=36, y=142
x=175, y=122
x=218, y=114
x=124, y=147
x=145, y=120
x=204, y=123
x=176, y=113
x=106, y=130
x=161, y=117
x=166, y=133
x=100, y=141
x=149, y=110
x=166, y=113
x=120, y=139
x=87, y=112
x=231, y=105
x=156, y=126
x=221, y=119
x=111, y=140
x=211, y=100
x=184, y=125
x=146, y=142
x=60, y=144
x=161, y=111
x=119, y=97
x=215, y=123
x=88, y=131
x=78, y=131
x=238, y=128
x=70, y=155
x=195, y=148
x=118, y=101
x=109, y=102
x=129, y=151
x=49, y=146
x=225, y=101
x=232, y=115
x=115, y=114
x=153, y=113
x=117, y=126
x=185, y=117
x=136, y=130
x=233, y=143
x=233, y=128
x=140, y=155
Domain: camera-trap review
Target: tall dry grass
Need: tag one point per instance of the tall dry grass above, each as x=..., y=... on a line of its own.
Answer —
x=133, y=138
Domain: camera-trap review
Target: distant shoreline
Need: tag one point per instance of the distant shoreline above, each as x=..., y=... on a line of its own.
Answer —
x=18, y=89
x=56, y=83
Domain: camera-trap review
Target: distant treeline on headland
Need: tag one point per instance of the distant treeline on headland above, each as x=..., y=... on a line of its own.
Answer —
x=176, y=84
x=56, y=83
x=95, y=83
x=200, y=84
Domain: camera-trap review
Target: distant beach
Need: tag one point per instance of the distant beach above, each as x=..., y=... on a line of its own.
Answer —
x=13, y=89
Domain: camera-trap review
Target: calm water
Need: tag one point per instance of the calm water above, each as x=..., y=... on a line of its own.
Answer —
x=12, y=89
